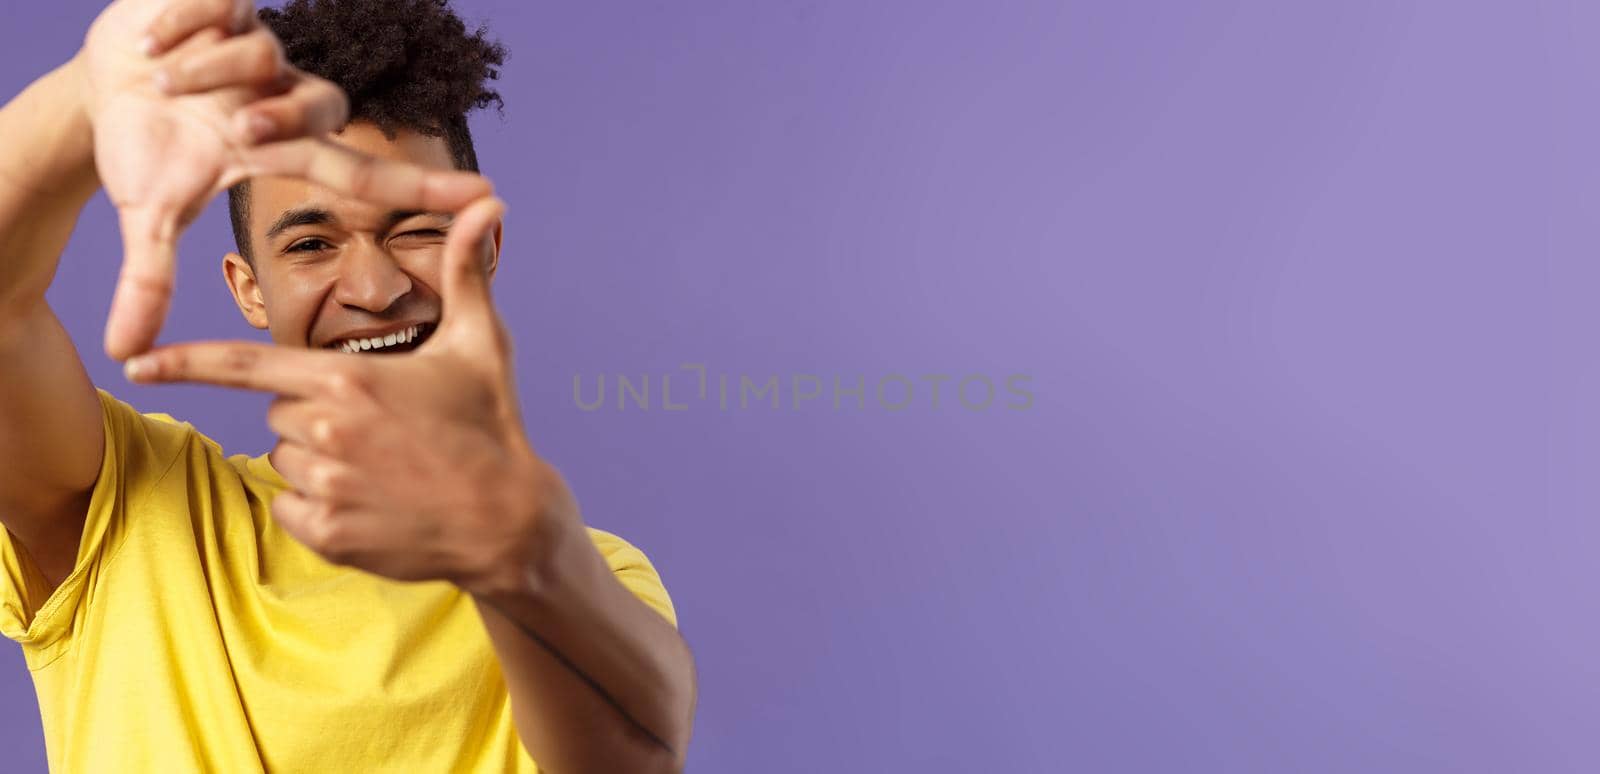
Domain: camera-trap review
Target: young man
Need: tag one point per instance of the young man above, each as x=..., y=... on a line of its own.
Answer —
x=402, y=584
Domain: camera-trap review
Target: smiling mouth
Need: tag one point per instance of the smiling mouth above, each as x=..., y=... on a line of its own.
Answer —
x=404, y=340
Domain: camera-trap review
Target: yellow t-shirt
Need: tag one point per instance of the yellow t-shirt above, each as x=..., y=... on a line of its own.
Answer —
x=194, y=634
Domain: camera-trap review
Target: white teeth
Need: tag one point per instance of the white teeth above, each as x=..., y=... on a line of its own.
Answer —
x=405, y=336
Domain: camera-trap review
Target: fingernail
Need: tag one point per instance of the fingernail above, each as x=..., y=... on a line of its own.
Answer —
x=138, y=367
x=163, y=81
x=148, y=45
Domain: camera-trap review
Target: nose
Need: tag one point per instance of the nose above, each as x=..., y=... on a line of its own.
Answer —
x=369, y=279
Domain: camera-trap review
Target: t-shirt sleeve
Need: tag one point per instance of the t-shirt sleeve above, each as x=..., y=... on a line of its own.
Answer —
x=634, y=569
x=139, y=449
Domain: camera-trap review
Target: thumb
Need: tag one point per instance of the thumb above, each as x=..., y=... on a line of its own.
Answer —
x=144, y=289
x=468, y=313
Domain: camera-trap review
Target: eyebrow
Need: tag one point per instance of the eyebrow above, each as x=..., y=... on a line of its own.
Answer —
x=317, y=216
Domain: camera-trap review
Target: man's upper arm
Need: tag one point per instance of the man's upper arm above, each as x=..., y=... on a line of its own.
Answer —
x=51, y=438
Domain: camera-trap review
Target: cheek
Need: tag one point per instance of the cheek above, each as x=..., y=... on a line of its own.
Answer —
x=292, y=299
x=425, y=266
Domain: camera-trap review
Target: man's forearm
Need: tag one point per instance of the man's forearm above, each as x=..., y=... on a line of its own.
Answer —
x=598, y=680
x=47, y=175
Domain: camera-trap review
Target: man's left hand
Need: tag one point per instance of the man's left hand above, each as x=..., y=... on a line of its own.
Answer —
x=412, y=466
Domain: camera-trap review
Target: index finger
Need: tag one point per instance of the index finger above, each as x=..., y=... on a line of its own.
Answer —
x=383, y=182
x=181, y=18
x=244, y=365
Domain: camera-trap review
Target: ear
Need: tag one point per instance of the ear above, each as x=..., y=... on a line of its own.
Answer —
x=241, y=279
x=494, y=255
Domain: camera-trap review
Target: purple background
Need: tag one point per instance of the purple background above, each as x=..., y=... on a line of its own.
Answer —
x=1304, y=290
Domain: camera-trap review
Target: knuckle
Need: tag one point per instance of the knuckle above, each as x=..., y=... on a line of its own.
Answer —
x=322, y=430
x=174, y=362
x=263, y=58
x=236, y=359
x=326, y=480
x=332, y=435
x=347, y=383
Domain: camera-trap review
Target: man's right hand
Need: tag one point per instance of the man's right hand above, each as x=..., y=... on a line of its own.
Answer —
x=189, y=97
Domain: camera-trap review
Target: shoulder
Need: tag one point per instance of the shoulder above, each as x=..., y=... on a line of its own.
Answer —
x=135, y=431
x=146, y=449
x=635, y=570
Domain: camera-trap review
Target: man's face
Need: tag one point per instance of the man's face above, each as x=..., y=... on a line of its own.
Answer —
x=337, y=273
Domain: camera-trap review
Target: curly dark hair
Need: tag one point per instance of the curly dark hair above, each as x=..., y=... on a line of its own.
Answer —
x=404, y=64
